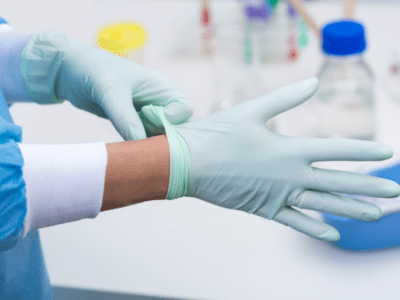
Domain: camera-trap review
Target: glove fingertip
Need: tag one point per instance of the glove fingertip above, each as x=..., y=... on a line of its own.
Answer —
x=393, y=189
x=385, y=152
x=331, y=235
x=307, y=87
x=376, y=215
x=178, y=112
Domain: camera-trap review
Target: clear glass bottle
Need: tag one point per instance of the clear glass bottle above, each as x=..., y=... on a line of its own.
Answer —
x=393, y=79
x=238, y=58
x=345, y=98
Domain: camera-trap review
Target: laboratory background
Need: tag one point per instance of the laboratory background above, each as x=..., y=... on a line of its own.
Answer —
x=221, y=53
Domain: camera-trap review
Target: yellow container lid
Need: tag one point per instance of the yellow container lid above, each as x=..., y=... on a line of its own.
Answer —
x=122, y=37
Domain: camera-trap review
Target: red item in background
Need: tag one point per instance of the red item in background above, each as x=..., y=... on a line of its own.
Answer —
x=207, y=29
x=292, y=53
x=205, y=16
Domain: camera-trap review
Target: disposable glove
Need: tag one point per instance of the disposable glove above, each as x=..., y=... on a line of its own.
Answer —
x=232, y=160
x=54, y=68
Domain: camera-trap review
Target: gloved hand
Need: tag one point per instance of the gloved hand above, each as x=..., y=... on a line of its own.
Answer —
x=54, y=68
x=232, y=160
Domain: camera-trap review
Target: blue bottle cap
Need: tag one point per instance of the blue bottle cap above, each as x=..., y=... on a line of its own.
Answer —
x=343, y=38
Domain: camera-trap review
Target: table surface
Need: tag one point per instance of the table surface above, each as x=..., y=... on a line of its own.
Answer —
x=187, y=248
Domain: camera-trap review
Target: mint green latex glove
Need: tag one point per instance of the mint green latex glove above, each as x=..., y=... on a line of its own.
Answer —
x=54, y=68
x=232, y=160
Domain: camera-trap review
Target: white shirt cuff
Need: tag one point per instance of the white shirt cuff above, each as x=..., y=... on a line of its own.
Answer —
x=4, y=27
x=64, y=183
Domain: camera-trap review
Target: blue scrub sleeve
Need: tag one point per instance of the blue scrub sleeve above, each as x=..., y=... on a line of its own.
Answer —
x=23, y=273
x=12, y=185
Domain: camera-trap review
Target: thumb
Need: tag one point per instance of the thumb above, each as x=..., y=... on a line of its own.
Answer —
x=176, y=112
x=120, y=111
x=282, y=99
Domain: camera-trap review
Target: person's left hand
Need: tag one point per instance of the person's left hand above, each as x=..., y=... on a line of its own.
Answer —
x=232, y=160
x=54, y=68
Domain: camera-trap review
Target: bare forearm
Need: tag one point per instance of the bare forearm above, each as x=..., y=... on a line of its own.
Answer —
x=136, y=171
x=67, y=183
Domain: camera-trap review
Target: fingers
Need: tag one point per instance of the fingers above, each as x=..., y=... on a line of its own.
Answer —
x=307, y=225
x=336, y=205
x=352, y=183
x=151, y=121
x=157, y=89
x=120, y=108
x=117, y=104
x=280, y=100
x=176, y=112
x=345, y=150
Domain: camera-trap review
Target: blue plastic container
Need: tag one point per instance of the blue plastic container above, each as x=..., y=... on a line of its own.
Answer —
x=361, y=235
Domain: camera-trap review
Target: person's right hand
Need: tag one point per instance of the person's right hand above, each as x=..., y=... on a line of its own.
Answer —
x=237, y=163
x=55, y=67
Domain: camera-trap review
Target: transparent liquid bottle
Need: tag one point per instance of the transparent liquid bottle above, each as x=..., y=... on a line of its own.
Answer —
x=345, y=98
x=238, y=54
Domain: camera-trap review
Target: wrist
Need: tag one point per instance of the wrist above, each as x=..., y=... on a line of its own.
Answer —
x=137, y=171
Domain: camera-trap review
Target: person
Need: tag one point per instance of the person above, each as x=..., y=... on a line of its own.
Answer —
x=229, y=158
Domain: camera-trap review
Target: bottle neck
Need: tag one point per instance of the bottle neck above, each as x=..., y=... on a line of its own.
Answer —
x=344, y=58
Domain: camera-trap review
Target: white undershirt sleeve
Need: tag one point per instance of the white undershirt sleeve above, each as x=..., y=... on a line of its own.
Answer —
x=12, y=44
x=64, y=183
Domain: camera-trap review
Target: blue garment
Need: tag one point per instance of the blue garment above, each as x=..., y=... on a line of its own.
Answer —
x=23, y=273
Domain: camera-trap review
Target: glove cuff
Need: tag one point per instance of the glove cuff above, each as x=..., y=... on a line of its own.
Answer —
x=41, y=61
x=179, y=174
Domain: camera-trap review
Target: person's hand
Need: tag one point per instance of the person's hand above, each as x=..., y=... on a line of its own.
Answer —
x=55, y=68
x=237, y=163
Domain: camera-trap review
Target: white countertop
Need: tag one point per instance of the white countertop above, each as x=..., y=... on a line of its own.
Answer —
x=187, y=248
